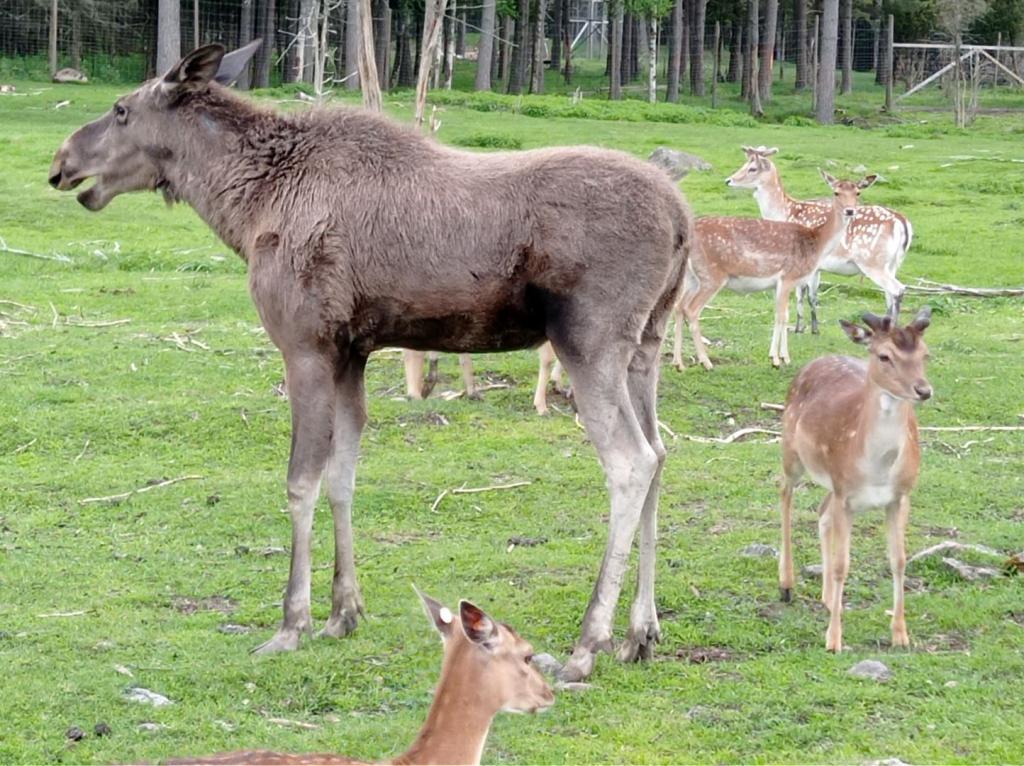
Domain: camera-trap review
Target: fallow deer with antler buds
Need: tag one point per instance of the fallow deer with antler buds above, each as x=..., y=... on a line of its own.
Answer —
x=747, y=255
x=487, y=669
x=875, y=244
x=851, y=427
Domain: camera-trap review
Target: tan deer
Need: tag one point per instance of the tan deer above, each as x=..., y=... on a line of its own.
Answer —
x=487, y=668
x=416, y=387
x=875, y=244
x=747, y=255
x=851, y=427
x=549, y=368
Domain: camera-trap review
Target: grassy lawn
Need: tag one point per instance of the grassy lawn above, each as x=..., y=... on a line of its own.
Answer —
x=140, y=358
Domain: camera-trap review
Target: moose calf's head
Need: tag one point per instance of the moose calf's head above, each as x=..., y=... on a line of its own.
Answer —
x=898, y=354
x=128, y=148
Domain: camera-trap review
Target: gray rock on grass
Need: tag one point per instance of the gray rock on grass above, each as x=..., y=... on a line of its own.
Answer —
x=872, y=669
x=677, y=164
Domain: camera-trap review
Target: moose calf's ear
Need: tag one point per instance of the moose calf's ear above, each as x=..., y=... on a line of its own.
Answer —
x=478, y=627
x=855, y=332
x=234, y=63
x=440, y=616
x=195, y=71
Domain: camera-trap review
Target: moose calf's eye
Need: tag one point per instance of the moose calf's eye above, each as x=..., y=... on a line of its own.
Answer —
x=121, y=113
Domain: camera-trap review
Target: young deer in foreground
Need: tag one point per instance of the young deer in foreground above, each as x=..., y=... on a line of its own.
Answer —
x=748, y=254
x=486, y=669
x=549, y=369
x=875, y=244
x=851, y=427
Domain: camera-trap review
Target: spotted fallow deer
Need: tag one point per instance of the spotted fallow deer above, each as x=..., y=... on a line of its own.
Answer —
x=487, y=668
x=360, y=233
x=851, y=427
x=748, y=254
x=875, y=244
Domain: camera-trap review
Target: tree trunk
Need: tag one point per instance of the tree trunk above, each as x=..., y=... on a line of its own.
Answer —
x=697, y=18
x=764, y=75
x=802, y=61
x=826, y=89
x=746, y=58
x=368, y=76
x=305, y=41
x=634, y=49
x=509, y=31
x=753, y=32
x=627, y=48
x=735, y=51
x=353, y=25
x=556, y=39
x=404, y=55
x=460, y=34
x=876, y=13
x=846, y=12
x=76, y=37
x=245, y=25
x=615, y=54
x=517, y=75
x=382, y=41
x=451, y=32
x=433, y=20
x=485, y=48
x=54, y=18
x=168, y=26
x=266, y=23
x=675, y=47
x=652, y=58
x=540, y=9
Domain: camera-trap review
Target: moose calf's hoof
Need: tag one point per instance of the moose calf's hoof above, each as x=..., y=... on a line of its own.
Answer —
x=283, y=641
x=340, y=626
x=579, y=666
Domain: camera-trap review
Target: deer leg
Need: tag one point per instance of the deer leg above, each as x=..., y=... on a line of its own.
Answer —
x=432, y=374
x=349, y=419
x=840, y=566
x=677, y=340
x=644, y=630
x=466, y=363
x=413, y=361
x=692, y=309
x=546, y=358
x=783, y=328
x=630, y=465
x=311, y=389
x=812, y=295
x=825, y=536
x=787, y=577
x=896, y=523
x=802, y=291
x=778, y=347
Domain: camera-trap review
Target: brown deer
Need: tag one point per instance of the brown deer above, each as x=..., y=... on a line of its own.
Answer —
x=851, y=427
x=747, y=255
x=360, y=233
x=549, y=368
x=875, y=244
x=486, y=670
x=418, y=388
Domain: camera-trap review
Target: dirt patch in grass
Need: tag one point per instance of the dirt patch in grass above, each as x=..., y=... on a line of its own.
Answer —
x=191, y=605
x=700, y=655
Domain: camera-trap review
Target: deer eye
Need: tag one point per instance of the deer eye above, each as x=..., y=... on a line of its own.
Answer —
x=528, y=659
x=884, y=358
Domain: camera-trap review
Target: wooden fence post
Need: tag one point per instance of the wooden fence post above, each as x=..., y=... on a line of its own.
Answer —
x=718, y=58
x=890, y=32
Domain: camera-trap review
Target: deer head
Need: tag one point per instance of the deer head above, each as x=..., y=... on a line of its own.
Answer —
x=846, y=194
x=898, y=355
x=489, y=657
x=127, y=148
x=757, y=169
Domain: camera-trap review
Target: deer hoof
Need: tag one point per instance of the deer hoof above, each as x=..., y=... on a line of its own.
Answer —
x=786, y=595
x=283, y=641
x=341, y=625
x=579, y=666
x=900, y=639
x=706, y=364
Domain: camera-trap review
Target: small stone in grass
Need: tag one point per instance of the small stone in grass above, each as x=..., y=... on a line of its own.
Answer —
x=760, y=549
x=872, y=669
x=150, y=726
x=232, y=629
x=146, y=697
x=75, y=734
x=545, y=663
x=813, y=571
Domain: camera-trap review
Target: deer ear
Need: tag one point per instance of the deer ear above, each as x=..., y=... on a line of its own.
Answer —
x=478, y=627
x=234, y=63
x=922, y=320
x=440, y=616
x=769, y=152
x=856, y=333
x=831, y=180
x=867, y=181
x=195, y=71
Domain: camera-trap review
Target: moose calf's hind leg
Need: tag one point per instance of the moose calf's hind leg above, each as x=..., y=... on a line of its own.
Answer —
x=629, y=464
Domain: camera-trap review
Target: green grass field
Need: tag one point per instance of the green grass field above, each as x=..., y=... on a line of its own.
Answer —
x=140, y=358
